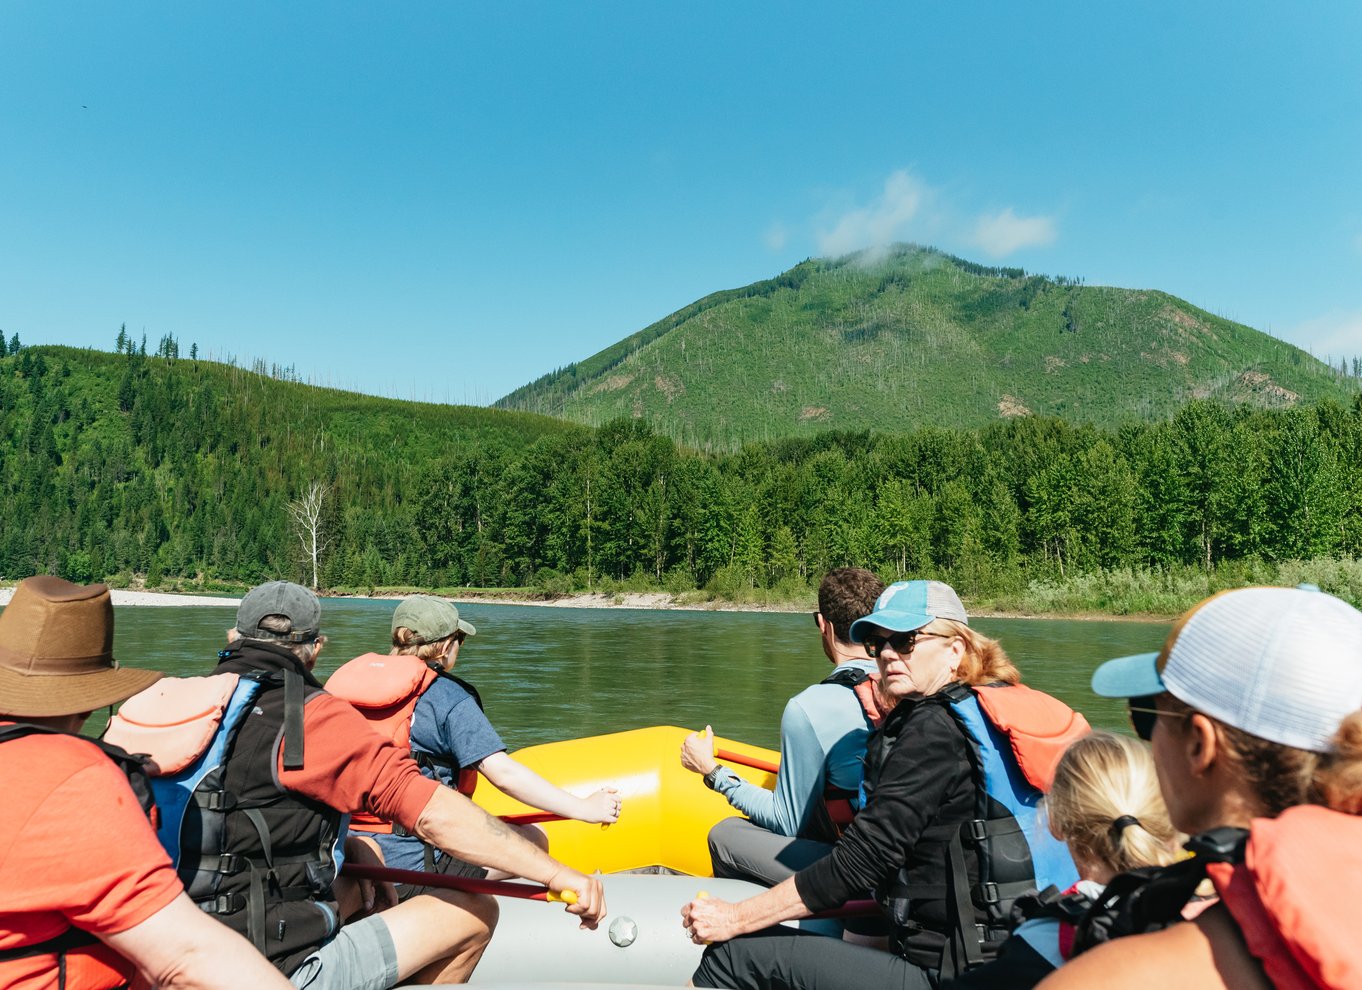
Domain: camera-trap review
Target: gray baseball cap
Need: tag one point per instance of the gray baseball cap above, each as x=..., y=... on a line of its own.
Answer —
x=299, y=605
x=430, y=618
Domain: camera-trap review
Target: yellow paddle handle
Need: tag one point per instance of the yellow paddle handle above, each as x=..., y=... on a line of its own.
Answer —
x=563, y=896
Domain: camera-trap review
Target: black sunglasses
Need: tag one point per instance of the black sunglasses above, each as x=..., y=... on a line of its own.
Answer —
x=901, y=643
x=1144, y=716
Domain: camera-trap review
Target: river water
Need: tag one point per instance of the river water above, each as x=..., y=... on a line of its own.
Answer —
x=556, y=673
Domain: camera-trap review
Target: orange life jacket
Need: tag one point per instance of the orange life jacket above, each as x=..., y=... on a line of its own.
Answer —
x=1283, y=897
x=865, y=686
x=385, y=690
x=1039, y=728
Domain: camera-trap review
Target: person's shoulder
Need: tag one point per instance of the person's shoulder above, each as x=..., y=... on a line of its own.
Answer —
x=445, y=693
x=935, y=712
x=825, y=692
x=448, y=687
x=57, y=752
x=1181, y=957
x=38, y=766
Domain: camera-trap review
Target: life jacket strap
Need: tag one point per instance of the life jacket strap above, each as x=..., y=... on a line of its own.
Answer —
x=214, y=800
x=965, y=950
x=293, y=720
x=72, y=938
x=1152, y=897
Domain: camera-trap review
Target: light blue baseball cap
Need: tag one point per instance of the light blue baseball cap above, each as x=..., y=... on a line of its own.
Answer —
x=908, y=605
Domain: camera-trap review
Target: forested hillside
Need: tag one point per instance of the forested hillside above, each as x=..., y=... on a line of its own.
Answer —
x=924, y=339
x=117, y=463
x=156, y=466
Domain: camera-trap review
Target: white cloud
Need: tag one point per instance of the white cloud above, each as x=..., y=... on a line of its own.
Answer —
x=1003, y=233
x=880, y=224
x=1335, y=334
x=907, y=209
x=776, y=236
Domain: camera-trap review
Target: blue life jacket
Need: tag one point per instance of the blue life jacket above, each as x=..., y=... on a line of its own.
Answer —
x=1021, y=851
x=200, y=785
x=1007, y=838
x=248, y=850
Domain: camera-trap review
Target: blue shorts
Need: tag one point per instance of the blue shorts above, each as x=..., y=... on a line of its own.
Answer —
x=361, y=956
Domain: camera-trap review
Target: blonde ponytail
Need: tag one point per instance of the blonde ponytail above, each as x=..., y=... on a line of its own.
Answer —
x=1105, y=804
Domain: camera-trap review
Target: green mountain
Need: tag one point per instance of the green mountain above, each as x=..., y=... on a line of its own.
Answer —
x=118, y=465
x=922, y=338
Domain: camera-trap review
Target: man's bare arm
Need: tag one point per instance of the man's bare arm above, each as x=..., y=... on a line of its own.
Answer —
x=459, y=827
x=181, y=948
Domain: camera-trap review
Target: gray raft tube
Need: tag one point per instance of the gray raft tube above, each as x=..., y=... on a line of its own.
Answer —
x=640, y=943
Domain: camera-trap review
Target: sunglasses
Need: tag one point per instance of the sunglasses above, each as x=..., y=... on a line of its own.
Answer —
x=901, y=643
x=1144, y=716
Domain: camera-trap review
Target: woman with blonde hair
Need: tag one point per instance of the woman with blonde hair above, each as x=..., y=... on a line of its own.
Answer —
x=935, y=842
x=1105, y=806
x=1252, y=711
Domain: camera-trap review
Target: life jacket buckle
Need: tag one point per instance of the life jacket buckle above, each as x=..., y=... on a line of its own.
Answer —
x=989, y=893
x=215, y=800
x=222, y=904
x=229, y=863
x=976, y=830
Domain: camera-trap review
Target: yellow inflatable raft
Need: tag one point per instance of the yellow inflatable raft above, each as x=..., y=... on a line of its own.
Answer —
x=667, y=813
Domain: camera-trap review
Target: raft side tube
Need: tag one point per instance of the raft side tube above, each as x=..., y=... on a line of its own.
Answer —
x=668, y=811
x=640, y=942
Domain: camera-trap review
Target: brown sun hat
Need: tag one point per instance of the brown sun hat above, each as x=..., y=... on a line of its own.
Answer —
x=56, y=651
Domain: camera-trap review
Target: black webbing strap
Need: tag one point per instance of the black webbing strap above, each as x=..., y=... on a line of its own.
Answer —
x=964, y=943
x=255, y=897
x=293, y=720
x=59, y=946
x=72, y=938
x=433, y=761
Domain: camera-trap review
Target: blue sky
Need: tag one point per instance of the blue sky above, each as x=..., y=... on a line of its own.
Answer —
x=443, y=201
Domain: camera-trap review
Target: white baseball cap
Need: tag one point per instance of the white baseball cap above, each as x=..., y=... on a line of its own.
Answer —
x=1282, y=664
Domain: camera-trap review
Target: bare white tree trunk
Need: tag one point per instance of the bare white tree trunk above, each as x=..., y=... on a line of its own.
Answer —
x=307, y=518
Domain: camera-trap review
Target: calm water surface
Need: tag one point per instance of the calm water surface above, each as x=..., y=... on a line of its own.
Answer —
x=557, y=673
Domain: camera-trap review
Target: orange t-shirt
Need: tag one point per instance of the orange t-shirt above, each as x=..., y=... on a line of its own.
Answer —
x=75, y=849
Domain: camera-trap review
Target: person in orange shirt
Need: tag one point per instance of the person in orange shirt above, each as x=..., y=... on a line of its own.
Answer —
x=88, y=898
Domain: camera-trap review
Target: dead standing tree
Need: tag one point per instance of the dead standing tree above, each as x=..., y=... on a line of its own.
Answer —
x=307, y=520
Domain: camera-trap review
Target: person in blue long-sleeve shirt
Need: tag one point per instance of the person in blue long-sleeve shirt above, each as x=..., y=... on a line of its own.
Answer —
x=823, y=735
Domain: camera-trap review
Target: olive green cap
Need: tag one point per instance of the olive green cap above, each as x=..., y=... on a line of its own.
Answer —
x=430, y=618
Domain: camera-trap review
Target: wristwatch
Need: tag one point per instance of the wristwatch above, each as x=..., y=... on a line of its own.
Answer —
x=712, y=778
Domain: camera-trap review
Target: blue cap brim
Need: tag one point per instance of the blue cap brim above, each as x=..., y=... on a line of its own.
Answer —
x=891, y=619
x=1128, y=677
